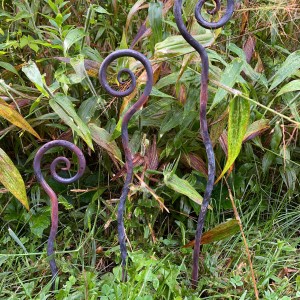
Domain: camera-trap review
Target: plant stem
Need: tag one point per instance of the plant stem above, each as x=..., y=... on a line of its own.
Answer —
x=237, y=217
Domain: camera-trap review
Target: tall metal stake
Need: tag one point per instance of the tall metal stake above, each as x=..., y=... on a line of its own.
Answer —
x=203, y=104
x=126, y=118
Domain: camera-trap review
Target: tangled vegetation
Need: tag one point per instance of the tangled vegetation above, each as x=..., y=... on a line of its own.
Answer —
x=51, y=52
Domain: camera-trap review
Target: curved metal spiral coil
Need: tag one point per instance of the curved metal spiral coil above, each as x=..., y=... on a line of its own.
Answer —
x=53, y=198
x=214, y=25
x=203, y=104
x=126, y=118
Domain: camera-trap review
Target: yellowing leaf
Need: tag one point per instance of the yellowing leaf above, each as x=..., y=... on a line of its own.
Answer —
x=239, y=113
x=15, y=118
x=11, y=179
x=103, y=139
x=218, y=233
x=255, y=129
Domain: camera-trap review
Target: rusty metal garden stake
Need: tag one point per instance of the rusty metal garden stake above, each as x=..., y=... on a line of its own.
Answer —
x=203, y=103
x=124, y=130
x=53, y=197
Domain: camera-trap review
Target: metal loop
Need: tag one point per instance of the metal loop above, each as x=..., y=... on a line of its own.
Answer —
x=214, y=25
x=124, y=53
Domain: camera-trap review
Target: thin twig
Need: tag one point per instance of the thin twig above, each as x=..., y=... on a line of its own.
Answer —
x=237, y=216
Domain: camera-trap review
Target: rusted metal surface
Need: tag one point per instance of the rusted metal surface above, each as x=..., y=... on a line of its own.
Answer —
x=203, y=104
x=126, y=118
x=53, y=197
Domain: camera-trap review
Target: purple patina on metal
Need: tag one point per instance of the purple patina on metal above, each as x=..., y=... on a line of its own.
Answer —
x=124, y=130
x=203, y=104
x=53, y=198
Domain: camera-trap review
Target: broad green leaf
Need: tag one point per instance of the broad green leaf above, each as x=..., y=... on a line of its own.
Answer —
x=63, y=106
x=11, y=179
x=267, y=161
x=89, y=212
x=66, y=204
x=99, y=9
x=181, y=186
x=249, y=71
x=48, y=45
x=171, y=120
x=103, y=139
x=187, y=77
x=176, y=45
x=8, y=67
x=239, y=114
x=288, y=68
x=157, y=93
x=118, y=130
x=91, y=66
x=228, y=78
x=88, y=108
x=33, y=73
x=156, y=21
x=218, y=233
x=20, y=15
x=3, y=259
x=290, y=87
x=123, y=43
x=72, y=37
x=78, y=65
x=39, y=222
x=276, y=137
x=15, y=118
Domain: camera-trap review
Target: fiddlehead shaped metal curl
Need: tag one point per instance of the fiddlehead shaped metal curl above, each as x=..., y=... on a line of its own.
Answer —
x=126, y=118
x=203, y=119
x=214, y=25
x=53, y=198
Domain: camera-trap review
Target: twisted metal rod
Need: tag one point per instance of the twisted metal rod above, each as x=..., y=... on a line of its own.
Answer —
x=53, y=197
x=124, y=130
x=203, y=104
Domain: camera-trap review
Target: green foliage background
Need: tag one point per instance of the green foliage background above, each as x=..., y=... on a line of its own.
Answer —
x=50, y=56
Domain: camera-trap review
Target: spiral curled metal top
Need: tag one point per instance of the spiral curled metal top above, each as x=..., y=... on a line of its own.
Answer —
x=125, y=53
x=53, y=197
x=58, y=143
x=214, y=25
x=124, y=129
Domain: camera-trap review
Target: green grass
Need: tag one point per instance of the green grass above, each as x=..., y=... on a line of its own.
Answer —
x=264, y=180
